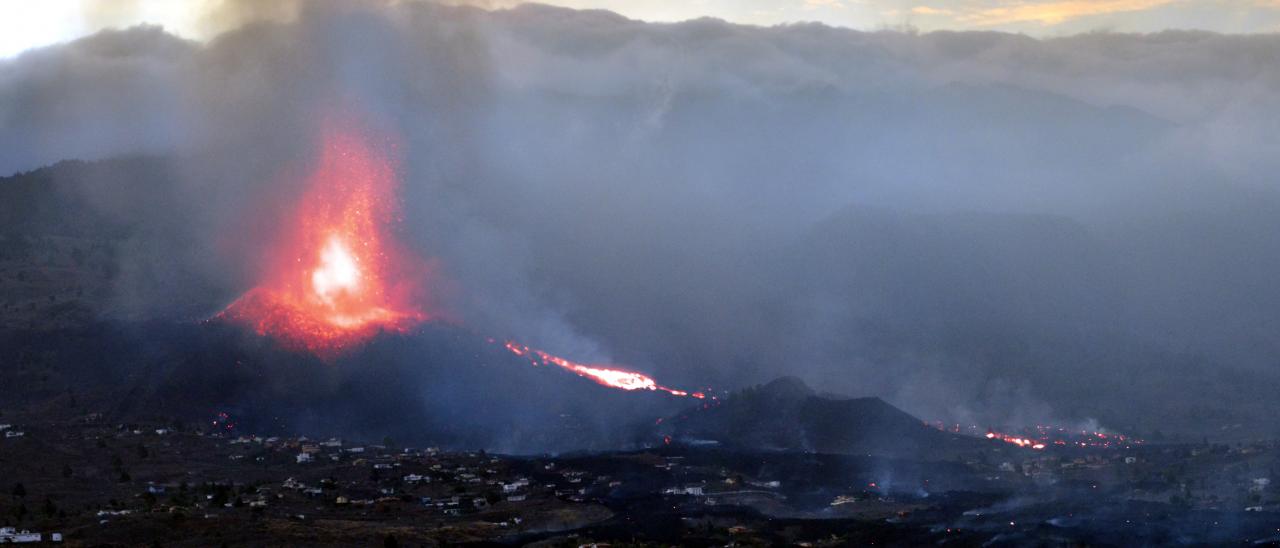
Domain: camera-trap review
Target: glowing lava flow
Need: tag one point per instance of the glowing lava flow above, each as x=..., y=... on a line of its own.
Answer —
x=335, y=277
x=1042, y=436
x=1020, y=442
x=612, y=377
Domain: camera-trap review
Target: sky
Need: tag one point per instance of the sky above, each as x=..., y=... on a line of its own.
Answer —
x=25, y=25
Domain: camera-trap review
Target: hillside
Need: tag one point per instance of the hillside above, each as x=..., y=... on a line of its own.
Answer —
x=786, y=414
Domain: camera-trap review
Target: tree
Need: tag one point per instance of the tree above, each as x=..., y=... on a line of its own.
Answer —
x=66, y=471
x=219, y=496
x=19, y=490
x=390, y=542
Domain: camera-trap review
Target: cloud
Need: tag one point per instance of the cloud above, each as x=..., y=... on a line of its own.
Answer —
x=815, y=4
x=927, y=10
x=1053, y=13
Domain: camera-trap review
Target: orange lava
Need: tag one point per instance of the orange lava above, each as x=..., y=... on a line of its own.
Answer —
x=335, y=277
x=611, y=376
x=1018, y=441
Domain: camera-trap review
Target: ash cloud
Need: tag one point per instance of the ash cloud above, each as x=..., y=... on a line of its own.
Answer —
x=975, y=226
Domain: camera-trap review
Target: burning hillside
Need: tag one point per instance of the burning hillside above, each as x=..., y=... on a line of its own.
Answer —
x=336, y=277
x=1042, y=436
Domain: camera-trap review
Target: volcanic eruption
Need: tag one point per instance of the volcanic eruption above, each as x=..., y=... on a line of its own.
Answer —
x=336, y=277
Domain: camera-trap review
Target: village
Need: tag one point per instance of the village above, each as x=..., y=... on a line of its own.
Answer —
x=179, y=483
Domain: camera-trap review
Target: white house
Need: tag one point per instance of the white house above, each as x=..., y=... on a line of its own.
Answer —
x=689, y=490
x=11, y=535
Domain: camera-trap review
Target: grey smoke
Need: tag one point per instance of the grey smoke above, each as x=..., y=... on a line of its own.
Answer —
x=975, y=226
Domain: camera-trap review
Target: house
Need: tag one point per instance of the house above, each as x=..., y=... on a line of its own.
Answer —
x=11, y=535
x=304, y=458
x=4, y=427
x=517, y=498
x=155, y=489
x=416, y=478
x=14, y=434
x=695, y=490
x=844, y=499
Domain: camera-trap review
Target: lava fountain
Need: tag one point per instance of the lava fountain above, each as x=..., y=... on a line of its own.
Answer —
x=335, y=277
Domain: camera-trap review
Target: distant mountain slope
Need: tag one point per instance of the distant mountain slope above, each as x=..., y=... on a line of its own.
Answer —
x=439, y=385
x=81, y=241
x=787, y=414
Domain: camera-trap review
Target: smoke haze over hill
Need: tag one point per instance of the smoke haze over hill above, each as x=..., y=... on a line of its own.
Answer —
x=974, y=226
